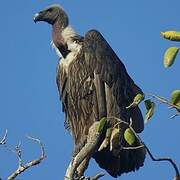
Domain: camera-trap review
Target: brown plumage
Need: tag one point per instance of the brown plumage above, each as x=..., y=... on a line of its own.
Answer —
x=93, y=83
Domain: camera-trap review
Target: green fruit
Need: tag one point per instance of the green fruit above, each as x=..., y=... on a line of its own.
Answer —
x=129, y=136
x=137, y=99
x=175, y=97
x=170, y=55
x=171, y=35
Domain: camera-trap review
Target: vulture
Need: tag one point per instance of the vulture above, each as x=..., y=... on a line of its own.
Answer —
x=93, y=83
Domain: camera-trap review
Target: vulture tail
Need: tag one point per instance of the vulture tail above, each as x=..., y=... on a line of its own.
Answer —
x=126, y=161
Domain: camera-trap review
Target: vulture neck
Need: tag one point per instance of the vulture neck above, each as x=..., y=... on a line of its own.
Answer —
x=57, y=38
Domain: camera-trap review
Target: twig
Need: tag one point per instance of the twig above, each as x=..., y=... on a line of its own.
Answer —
x=157, y=159
x=165, y=101
x=119, y=120
x=41, y=145
x=131, y=148
x=4, y=139
x=173, y=116
x=18, y=152
x=99, y=175
x=26, y=166
x=164, y=159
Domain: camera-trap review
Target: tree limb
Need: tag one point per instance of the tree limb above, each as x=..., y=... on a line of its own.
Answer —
x=4, y=139
x=86, y=151
x=28, y=165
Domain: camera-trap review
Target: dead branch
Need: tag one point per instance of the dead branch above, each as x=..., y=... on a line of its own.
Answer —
x=4, y=139
x=173, y=116
x=22, y=167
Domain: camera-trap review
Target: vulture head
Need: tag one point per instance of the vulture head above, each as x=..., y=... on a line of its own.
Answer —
x=51, y=15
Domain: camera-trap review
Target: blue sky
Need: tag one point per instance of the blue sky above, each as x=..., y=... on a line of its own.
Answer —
x=28, y=94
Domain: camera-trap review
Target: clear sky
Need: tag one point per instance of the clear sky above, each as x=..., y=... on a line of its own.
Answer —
x=29, y=101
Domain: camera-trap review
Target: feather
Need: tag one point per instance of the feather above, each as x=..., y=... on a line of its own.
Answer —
x=93, y=83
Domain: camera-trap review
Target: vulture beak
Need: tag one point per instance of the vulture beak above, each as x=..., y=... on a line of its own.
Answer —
x=37, y=17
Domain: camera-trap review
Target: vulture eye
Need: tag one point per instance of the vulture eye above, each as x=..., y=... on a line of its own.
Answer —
x=50, y=10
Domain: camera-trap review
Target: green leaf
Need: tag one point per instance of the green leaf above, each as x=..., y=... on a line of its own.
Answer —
x=101, y=125
x=175, y=97
x=150, y=106
x=170, y=55
x=137, y=99
x=129, y=136
x=171, y=35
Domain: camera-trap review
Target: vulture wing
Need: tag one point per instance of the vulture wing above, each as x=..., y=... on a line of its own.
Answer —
x=119, y=88
x=115, y=91
x=61, y=81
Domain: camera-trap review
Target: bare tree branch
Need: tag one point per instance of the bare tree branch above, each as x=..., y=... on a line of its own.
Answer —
x=19, y=154
x=173, y=116
x=41, y=145
x=4, y=139
x=28, y=165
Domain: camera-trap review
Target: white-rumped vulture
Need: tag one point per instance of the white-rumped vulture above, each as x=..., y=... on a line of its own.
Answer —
x=93, y=83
